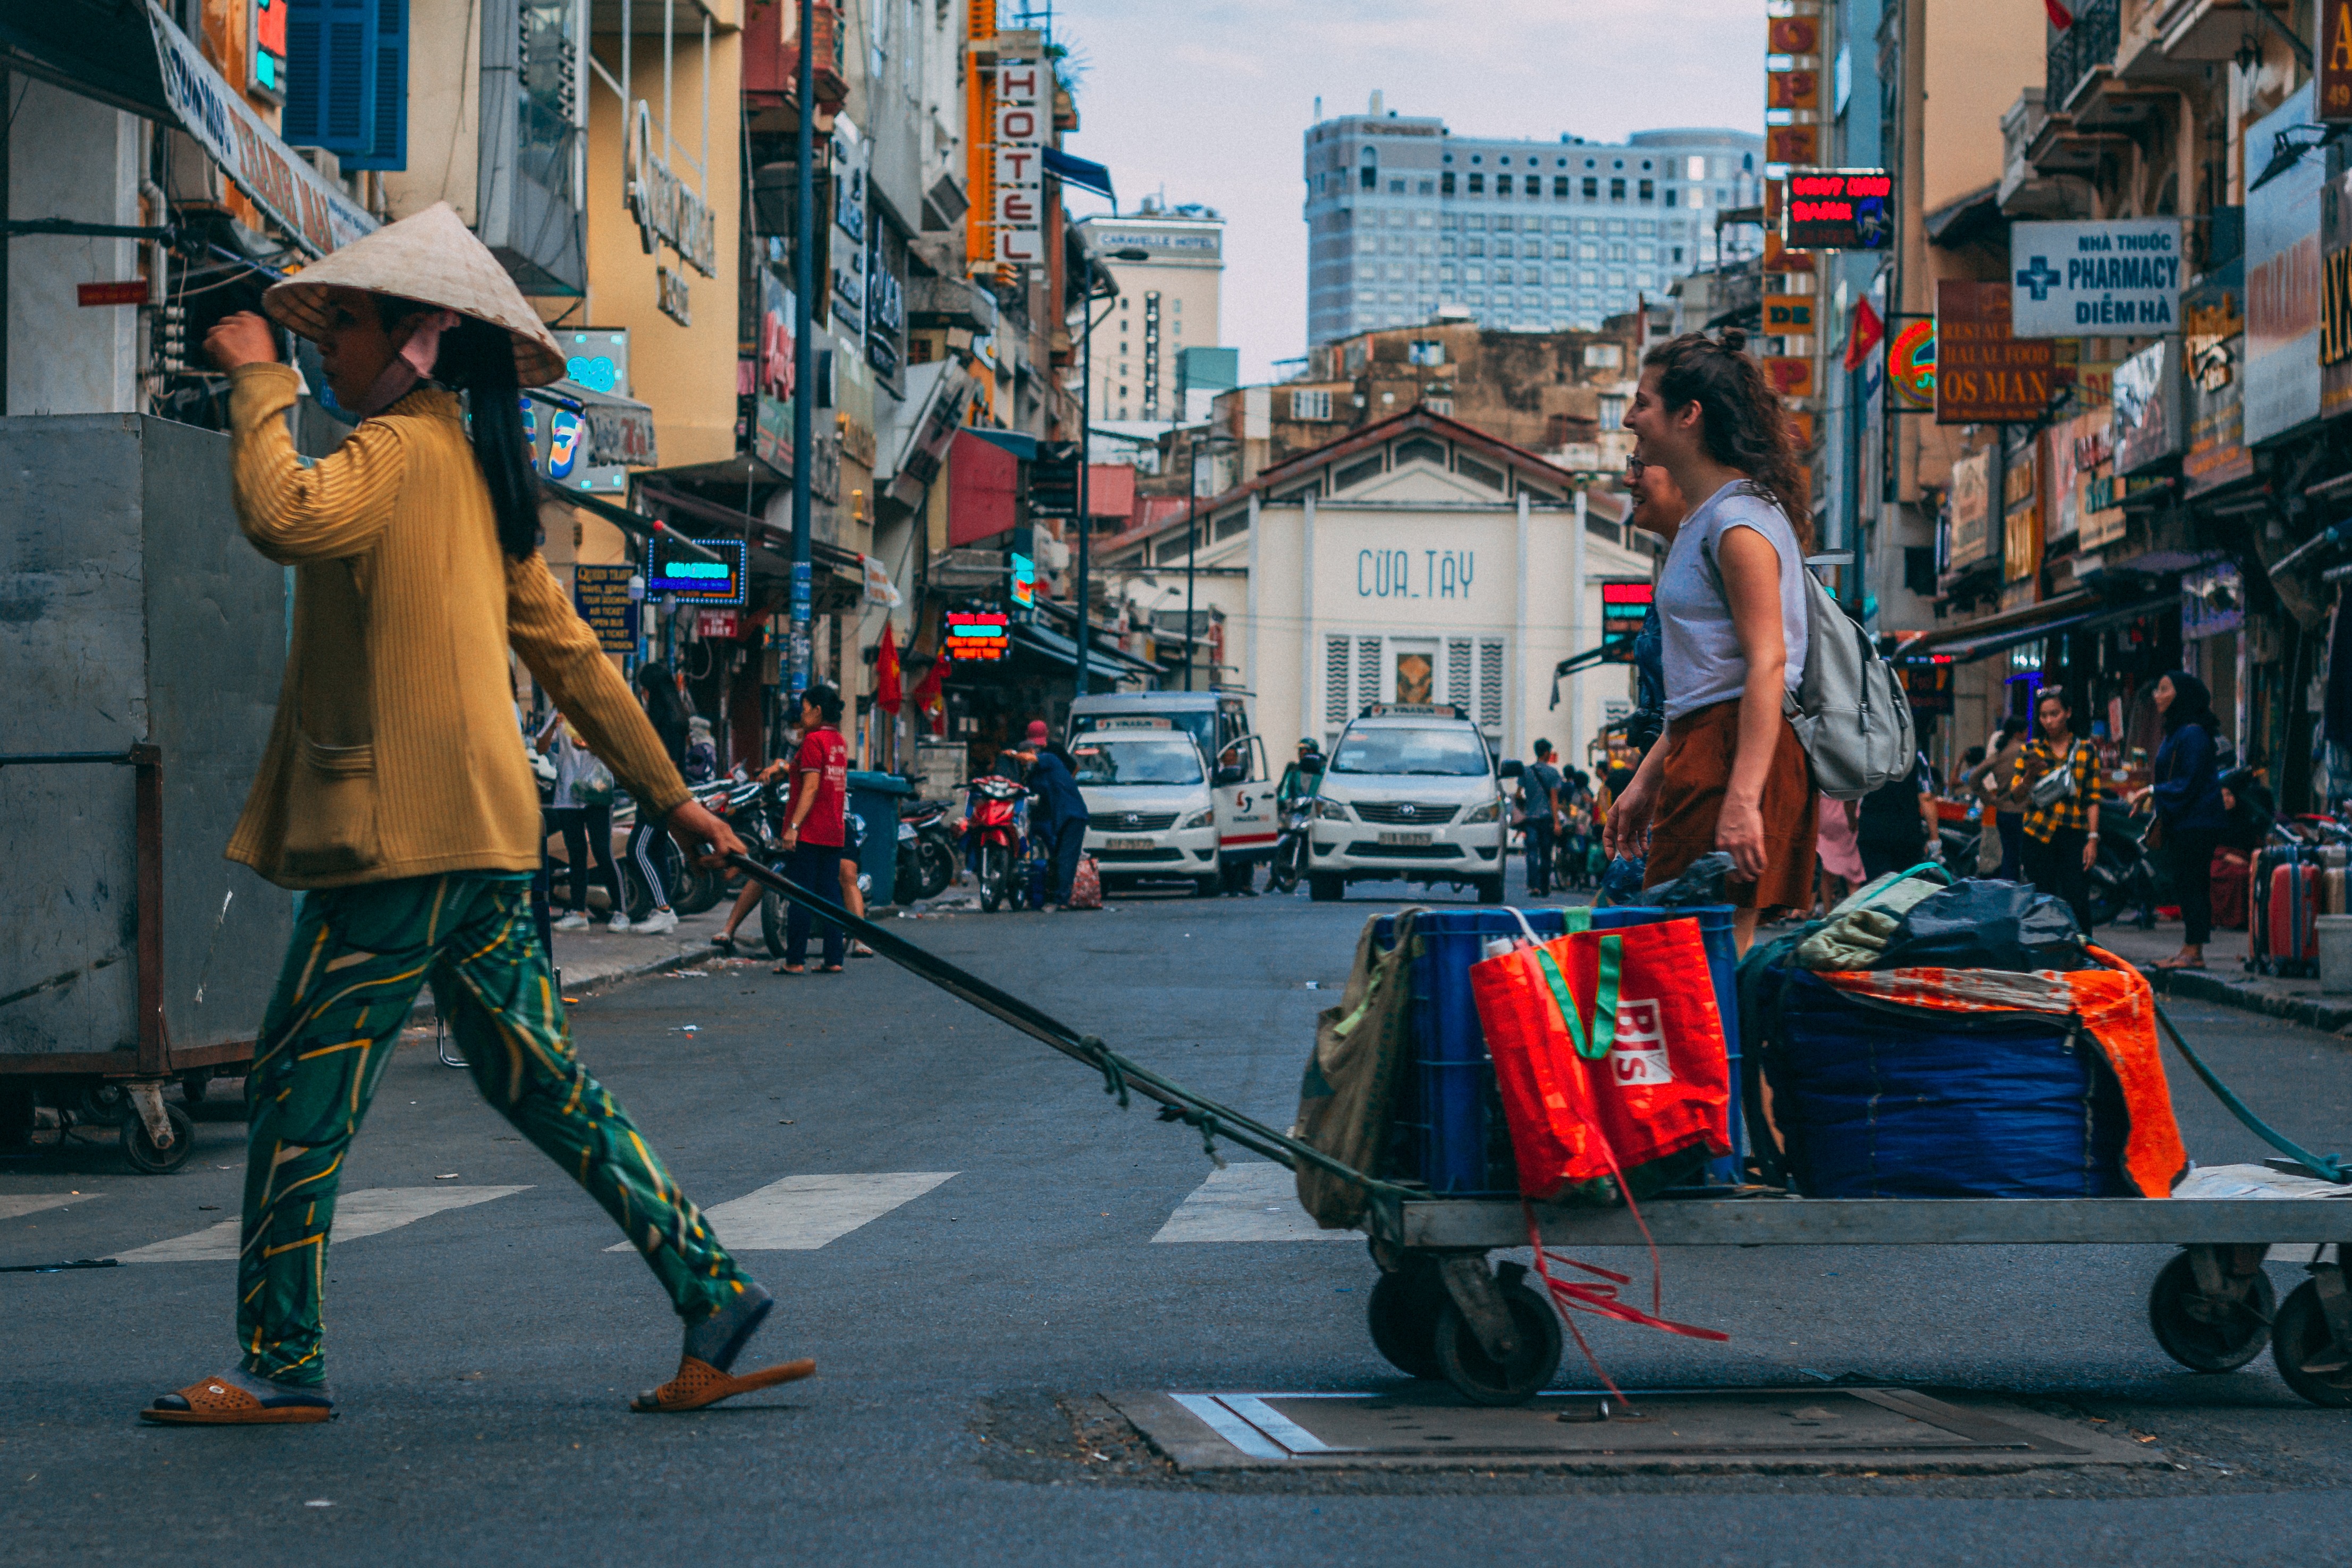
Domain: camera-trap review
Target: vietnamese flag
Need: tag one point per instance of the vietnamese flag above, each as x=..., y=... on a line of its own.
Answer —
x=1866, y=334
x=890, y=686
x=2060, y=17
x=926, y=694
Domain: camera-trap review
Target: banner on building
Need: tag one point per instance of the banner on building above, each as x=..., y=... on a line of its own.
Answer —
x=2336, y=295
x=1911, y=364
x=2214, y=343
x=851, y=154
x=2148, y=425
x=2281, y=364
x=1023, y=91
x=309, y=209
x=2021, y=516
x=2120, y=277
x=1971, y=511
x=1984, y=373
x=1838, y=209
x=2334, y=63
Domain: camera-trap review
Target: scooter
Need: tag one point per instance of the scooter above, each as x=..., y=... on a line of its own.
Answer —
x=926, y=850
x=996, y=824
x=1289, y=867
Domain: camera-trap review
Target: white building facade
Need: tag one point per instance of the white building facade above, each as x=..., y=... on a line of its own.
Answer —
x=1416, y=560
x=1405, y=218
x=1165, y=305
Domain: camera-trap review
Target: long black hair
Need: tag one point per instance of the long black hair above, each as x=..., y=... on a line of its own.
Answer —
x=478, y=358
x=2191, y=703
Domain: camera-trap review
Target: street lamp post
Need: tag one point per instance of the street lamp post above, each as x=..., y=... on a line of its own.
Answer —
x=1192, y=542
x=1086, y=452
x=804, y=355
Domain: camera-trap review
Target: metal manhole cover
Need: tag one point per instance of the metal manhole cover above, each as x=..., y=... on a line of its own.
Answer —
x=1831, y=1428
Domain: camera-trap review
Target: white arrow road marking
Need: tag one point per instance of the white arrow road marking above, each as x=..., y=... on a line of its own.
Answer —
x=370, y=1211
x=1256, y=1200
x=801, y=1214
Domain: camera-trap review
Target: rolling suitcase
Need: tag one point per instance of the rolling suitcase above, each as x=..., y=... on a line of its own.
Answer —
x=2284, y=900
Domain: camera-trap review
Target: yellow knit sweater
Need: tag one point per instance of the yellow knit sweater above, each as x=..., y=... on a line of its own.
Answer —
x=396, y=751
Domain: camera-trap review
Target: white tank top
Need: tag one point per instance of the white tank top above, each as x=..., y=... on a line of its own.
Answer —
x=1703, y=662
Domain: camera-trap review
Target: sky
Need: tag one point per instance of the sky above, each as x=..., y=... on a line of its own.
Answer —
x=1209, y=101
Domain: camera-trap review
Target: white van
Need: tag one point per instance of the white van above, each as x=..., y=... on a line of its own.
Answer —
x=1411, y=792
x=1219, y=723
x=1151, y=811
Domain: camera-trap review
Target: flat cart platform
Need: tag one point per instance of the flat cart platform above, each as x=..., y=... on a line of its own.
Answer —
x=1440, y=1311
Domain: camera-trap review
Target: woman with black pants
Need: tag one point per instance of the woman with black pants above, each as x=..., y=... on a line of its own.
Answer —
x=2186, y=790
x=2061, y=838
x=657, y=690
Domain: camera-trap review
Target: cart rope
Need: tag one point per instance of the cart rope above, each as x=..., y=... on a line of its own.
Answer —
x=2326, y=1167
x=1120, y=1074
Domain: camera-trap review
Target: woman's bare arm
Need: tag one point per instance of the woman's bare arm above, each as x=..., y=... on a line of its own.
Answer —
x=1751, y=585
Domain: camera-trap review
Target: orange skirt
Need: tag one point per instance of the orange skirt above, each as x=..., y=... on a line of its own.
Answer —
x=1695, y=773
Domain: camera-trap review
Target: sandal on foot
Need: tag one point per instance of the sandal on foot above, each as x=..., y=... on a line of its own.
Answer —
x=859, y=949
x=830, y=969
x=698, y=1383
x=239, y=1400
x=790, y=969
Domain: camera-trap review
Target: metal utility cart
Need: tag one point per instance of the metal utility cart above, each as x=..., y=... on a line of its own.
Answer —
x=142, y=641
x=1438, y=1310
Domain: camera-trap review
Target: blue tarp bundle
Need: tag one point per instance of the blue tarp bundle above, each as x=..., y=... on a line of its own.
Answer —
x=1879, y=1101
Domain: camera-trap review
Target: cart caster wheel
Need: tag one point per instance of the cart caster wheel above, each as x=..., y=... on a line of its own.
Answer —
x=193, y=1087
x=2308, y=1357
x=1478, y=1377
x=1404, y=1310
x=140, y=1152
x=2209, y=1336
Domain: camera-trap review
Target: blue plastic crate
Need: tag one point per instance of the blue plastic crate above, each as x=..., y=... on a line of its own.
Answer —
x=1450, y=1117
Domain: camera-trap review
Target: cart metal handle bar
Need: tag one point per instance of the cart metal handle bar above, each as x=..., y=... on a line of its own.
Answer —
x=1177, y=1103
x=132, y=757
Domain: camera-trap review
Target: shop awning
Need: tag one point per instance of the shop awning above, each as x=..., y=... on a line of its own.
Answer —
x=1082, y=173
x=1968, y=650
x=1019, y=443
x=130, y=54
x=2025, y=618
x=1064, y=652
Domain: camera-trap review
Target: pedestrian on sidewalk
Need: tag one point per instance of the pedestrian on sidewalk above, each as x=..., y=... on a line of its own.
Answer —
x=416, y=572
x=657, y=687
x=814, y=828
x=1540, y=785
x=582, y=812
x=1896, y=827
x=2000, y=845
x=2061, y=837
x=2189, y=812
x=1062, y=819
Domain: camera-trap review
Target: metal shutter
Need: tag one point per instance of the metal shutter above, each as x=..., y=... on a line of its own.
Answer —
x=1457, y=672
x=1490, y=684
x=1335, y=680
x=1367, y=671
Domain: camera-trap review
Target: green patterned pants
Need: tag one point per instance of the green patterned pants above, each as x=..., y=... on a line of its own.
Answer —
x=358, y=958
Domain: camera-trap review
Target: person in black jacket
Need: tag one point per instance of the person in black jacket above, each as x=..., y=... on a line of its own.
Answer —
x=2186, y=792
x=1061, y=810
x=657, y=690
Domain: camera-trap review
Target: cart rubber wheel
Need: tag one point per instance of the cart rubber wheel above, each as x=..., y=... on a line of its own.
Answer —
x=1326, y=886
x=192, y=1086
x=140, y=1152
x=2215, y=1337
x=2299, y=1336
x=1403, y=1314
x=1478, y=1377
x=1490, y=889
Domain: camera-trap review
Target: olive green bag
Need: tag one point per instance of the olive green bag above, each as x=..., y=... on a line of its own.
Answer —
x=1350, y=1088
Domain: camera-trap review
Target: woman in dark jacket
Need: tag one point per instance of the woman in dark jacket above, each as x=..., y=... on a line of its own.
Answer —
x=2186, y=789
x=657, y=688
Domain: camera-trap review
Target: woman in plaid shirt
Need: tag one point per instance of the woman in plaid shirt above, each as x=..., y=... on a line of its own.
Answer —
x=2061, y=839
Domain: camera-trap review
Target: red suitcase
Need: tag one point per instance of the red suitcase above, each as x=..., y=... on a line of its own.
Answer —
x=2285, y=933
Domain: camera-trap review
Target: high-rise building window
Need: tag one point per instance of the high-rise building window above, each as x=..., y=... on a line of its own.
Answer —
x=1591, y=189
x=1616, y=190
x=1396, y=187
x=1503, y=184
x=1649, y=190
x=1428, y=186
x=1477, y=185
x=1559, y=187
x=1445, y=184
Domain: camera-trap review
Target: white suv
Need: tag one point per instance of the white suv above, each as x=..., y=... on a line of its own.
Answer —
x=1411, y=792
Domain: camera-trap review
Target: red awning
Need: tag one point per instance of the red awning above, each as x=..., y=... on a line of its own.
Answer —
x=983, y=480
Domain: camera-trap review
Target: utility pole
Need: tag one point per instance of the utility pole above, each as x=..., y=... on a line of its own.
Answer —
x=1086, y=455
x=796, y=677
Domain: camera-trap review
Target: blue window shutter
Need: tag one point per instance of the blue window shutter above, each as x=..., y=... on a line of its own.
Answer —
x=387, y=139
x=329, y=69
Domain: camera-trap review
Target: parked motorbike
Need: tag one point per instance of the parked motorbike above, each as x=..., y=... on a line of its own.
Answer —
x=996, y=823
x=1289, y=864
x=926, y=851
x=2127, y=879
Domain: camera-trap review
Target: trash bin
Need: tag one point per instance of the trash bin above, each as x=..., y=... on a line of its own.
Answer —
x=2335, y=953
x=875, y=798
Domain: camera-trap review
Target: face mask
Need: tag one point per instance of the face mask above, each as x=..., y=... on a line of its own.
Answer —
x=413, y=363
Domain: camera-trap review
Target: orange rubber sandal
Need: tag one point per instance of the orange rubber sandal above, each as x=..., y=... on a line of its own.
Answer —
x=219, y=1402
x=698, y=1383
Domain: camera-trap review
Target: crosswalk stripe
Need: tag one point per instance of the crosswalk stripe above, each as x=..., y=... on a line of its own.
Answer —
x=370, y=1211
x=1257, y=1201
x=14, y=1205
x=801, y=1214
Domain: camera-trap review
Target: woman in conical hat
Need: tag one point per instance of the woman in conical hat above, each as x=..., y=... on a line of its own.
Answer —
x=396, y=790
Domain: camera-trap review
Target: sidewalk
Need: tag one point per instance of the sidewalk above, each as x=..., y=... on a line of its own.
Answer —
x=2225, y=979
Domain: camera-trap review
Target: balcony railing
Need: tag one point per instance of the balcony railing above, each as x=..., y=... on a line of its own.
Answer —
x=2080, y=50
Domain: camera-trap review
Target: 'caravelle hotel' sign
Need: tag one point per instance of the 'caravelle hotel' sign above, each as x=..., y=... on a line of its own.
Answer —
x=667, y=213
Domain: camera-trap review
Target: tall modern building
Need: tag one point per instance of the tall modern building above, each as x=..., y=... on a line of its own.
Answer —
x=1166, y=305
x=1405, y=219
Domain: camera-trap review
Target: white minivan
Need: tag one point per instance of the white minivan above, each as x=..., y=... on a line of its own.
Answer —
x=1218, y=721
x=1411, y=792
x=1151, y=811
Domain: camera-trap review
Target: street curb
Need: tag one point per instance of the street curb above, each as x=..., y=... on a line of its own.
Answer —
x=2335, y=1018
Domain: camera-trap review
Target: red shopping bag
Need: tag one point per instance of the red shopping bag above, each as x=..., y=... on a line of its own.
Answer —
x=1608, y=1050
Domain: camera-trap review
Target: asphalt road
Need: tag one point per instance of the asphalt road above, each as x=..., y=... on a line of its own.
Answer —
x=482, y=1355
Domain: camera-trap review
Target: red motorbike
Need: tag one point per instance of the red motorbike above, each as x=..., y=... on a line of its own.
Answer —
x=995, y=825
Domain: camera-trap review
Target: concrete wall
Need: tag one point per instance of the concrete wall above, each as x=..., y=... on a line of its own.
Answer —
x=71, y=157
x=1977, y=57
x=444, y=95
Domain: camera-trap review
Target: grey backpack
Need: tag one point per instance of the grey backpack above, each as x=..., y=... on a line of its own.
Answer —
x=1849, y=709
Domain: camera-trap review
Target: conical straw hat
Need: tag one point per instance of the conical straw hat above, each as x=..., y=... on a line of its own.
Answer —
x=434, y=259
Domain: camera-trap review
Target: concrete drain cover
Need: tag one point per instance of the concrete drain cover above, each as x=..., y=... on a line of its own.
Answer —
x=1781, y=1429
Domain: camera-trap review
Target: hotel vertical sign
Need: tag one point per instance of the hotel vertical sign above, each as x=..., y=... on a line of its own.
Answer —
x=1022, y=97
